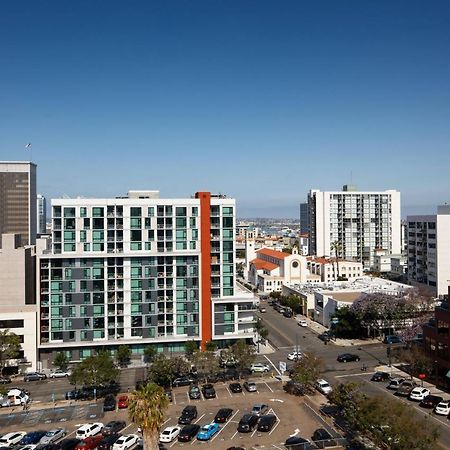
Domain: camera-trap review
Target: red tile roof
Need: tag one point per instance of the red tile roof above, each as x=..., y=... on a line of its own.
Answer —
x=273, y=253
x=265, y=265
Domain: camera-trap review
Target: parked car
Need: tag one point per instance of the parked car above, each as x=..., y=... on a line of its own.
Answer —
x=25, y=447
x=108, y=441
x=235, y=387
x=298, y=443
x=302, y=323
x=208, y=391
x=395, y=383
x=262, y=309
x=89, y=443
x=288, y=312
x=347, y=357
x=323, y=386
x=169, y=434
x=34, y=376
x=188, y=432
x=380, y=376
x=207, y=431
x=418, y=394
x=260, y=409
x=69, y=443
x=126, y=442
x=59, y=373
x=294, y=356
x=431, y=401
x=109, y=404
x=325, y=336
x=267, y=422
x=5, y=380
x=188, y=414
x=88, y=430
x=250, y=386
x=247, y=423
x=405, y=388
x=123, y=402
x=74, y=394
x=33, y=437
x=13, y=438
x=322, y=438
x=392, y=339
x=443, y=408
x=194, y=392
x=259, y=367
x=183, y=381
x=55, y=434
x=223, y=415
x=113, y=427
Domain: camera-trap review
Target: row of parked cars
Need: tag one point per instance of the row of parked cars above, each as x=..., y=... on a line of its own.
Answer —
x=91, y=392
x=410, y=389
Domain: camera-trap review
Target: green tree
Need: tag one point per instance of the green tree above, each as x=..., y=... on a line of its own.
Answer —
x=243, y=354
x=164, y=370
x=123, y=355
x=61, y=361
x=348, y=325
x=307, y=370
x=190, y=347
x=211, y=346
x=95, y=370
x=336, y=247
x=146, y=408
x=347, y=397
x=10, y=347
x=206, y=363
x=150, y=353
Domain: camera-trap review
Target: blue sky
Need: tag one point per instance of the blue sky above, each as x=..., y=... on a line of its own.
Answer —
x=261, y=100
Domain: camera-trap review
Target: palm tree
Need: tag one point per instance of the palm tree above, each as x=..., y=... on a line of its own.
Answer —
x=146, y=408
x=336, y=246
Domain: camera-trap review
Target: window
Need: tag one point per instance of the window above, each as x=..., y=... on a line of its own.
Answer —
x=97, y=212
x=151, y=211
x=83, y=211
x=227, y=222
x=135, y=223
x=180, y=211
x=69, y=212
x=135, y=212
x=227, y=211
x=11, y=323
x=180, y=222
x=69, y=247
x=98, y=236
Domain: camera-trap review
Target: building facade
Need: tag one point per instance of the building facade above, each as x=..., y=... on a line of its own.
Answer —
x=140, y=270
x=359, y=221
x=328, y=269
x=429, y=250
x=304, y=218
x=18, y=200
x=41, y=211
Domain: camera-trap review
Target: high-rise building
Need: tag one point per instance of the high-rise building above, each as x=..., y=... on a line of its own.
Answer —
x=304, y=218
x=360, y=221
x=429, y=250
x=18, y=200
x=141, y=270
x=41, y=208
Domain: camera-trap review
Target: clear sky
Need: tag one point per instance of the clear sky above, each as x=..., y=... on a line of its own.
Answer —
x=262, y=100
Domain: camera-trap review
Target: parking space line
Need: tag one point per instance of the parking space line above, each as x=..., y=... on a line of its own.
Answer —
x=255, y=430
x=166, y=421
x=228, y=391
x=174, y=398
x=228, y=421
x=273, y=365
x=200, y=418
x=234, y=435
x=271, y=390
x=189, y=399
x=278, y=421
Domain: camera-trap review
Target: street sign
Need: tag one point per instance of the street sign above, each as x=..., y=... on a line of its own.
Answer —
x=282, y=366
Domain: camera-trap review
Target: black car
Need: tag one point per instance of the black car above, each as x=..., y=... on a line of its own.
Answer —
x=380, y=376
x=298, y=443
x=51, y=446
x=208, y=391
x=183, y=381
x=194, y=392
x=109, y=404
x=223, y=415
x=113, y=427
x=188, y=414
x=346, y=357
x=188, y=432
x=235, y=387
x=33, y=437
x=247, y=423
x=108, y=441
x=430, y=401
x=325, y=336
x=322, y=438
x=74, y=394
x=69, y=444
x=267, y=422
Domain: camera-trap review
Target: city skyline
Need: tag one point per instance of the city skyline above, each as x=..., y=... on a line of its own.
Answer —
x=229, y=97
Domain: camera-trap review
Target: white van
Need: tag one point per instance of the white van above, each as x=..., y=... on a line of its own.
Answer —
x=15, y=397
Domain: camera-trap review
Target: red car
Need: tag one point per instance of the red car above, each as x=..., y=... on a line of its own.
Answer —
x=89, y=443
x=123, y=402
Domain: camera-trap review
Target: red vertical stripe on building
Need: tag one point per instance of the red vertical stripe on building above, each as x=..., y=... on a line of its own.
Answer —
x=205, y=257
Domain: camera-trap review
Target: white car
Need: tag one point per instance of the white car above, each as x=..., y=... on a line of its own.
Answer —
x=418, y=394
x=259, y=367
x=126, y=442
x=294, y=356
x=169, y=434
x=28, y=447
x=443, y=408
x=52, y=436
x=89, y=429
x=60, y=374
x=323, y=386
x=302, y=323
x=11, y=438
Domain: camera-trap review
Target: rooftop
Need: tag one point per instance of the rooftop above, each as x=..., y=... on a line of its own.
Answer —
x=273, y=253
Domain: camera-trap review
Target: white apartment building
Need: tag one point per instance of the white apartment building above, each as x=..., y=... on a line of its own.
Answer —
x=360, y=220
x=140, y=270
x=41, y=210
x=328, y=269
x=429, y=250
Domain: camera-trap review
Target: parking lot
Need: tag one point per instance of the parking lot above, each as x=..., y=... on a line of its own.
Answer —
x=294, y=417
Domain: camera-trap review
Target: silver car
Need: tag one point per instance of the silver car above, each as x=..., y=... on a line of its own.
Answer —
x=53, y=435
x=260, y=409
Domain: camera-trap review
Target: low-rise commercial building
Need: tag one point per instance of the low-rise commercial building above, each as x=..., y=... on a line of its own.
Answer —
x=330, y=269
